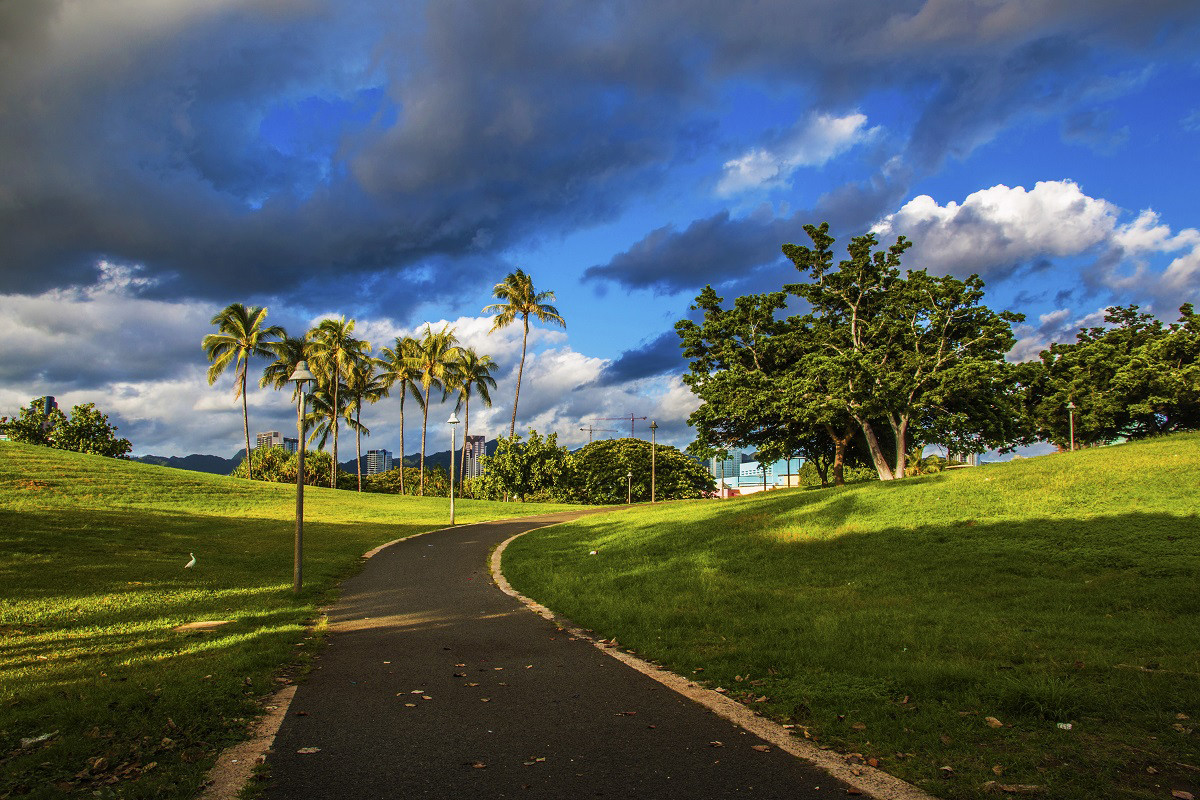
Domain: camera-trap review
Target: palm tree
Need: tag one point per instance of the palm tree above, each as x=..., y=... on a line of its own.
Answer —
x=474, y=372
x=240, y=336
x=436, y=360
x=399, y=369
x=322, y=420
x=363, y=385
x=289, y=351
x=333, y=350
x=521, y=300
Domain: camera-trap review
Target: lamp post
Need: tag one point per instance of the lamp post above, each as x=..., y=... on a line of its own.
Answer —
x=629, y=487
x=301, y=376
x=1071, y=416
x=452, y=422
x=653, y=448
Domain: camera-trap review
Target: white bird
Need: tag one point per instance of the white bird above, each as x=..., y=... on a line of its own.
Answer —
x=191, y=563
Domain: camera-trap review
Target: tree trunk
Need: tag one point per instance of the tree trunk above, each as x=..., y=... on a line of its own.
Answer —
x=462, y=471
x=424, y=425
x=840, y=445
x=246, y=425
x=358, y=442
x=900, y=429
x=403, y=389
x=520, y=371
x=877, y=457
x=337, y=378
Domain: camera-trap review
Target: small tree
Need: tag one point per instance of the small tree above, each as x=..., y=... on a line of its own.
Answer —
x=599, y=473
x=538, y=466
x=86, y=431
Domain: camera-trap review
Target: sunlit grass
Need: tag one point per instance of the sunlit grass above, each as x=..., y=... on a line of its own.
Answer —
x=92, y=586
x=1054, y=590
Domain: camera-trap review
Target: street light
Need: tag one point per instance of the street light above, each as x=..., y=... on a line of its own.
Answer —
x=653, y=429
x=629, y=487
x=1071, y=415
x=301, y=376
x=452, y=422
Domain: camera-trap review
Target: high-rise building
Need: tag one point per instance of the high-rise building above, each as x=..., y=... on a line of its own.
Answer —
x=378, y=461
x=475, y=448
x=276, y=439
x=730, y=467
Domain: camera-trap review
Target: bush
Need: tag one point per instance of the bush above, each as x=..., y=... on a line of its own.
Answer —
x=599, y=473
x=86, y=431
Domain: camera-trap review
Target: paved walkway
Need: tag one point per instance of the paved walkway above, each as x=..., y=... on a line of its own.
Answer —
x=436, y=684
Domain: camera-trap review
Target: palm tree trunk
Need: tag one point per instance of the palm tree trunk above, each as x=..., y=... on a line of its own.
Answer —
x=403, y=389
x=520, y=371
x=462, y=467
x=358, y=441
x=246, y=423
x=337, y=377
x=424, y=425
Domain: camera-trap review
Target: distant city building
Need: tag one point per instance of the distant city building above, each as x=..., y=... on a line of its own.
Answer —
x=276, y=439
x=475, y=448
x=48, y=404
x=378, y=461
x=730, y=467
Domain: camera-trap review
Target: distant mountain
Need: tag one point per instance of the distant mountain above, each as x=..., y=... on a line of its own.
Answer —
x=196, y=462
x=224, y=466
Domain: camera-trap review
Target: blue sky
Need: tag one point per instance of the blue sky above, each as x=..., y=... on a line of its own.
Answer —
x=160, y=159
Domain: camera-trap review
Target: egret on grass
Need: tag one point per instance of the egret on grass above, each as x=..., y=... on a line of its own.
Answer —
x=191, y=563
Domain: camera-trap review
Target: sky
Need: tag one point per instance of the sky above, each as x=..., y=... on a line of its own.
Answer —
x=391, y=161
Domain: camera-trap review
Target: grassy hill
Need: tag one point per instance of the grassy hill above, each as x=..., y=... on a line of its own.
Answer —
x=92, y=584
x=953, y=620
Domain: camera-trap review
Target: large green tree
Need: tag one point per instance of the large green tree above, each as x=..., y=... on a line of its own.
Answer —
x=436, y=359
x=401, y=368
x=242, y=334
x=1131, y=378
x=518, y=299
x=333, y=349
x=902, y=348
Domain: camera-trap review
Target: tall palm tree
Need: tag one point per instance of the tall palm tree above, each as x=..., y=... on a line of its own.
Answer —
x=520, y=299
x=241, y=335
x=289, y=351
x=400, y=369
x=436, y=360
x=322, y=420
x=363, y=385
x=333, y=349
x=474, y=373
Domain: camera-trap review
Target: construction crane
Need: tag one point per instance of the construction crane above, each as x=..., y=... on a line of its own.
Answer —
x=631, y=418
x=590, y=429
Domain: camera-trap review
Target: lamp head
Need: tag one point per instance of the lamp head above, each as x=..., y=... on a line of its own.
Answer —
x=453, y=419
x=301, y=374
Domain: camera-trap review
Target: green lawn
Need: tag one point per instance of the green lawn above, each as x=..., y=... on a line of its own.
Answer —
x=893, y=619
x=92, y=583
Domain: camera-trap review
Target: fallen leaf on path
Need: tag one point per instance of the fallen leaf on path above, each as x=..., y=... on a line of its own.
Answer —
x=410, y=705
x=716, y=744
x=485, y=699
x=307, y=751
x=479, y=765
x=762, y=748
x=460, y=674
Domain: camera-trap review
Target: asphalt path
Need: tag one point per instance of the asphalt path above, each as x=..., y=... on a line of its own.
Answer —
x=435, y=684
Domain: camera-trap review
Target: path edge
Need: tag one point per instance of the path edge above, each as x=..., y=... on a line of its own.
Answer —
x=234, y=767
x=871, y=781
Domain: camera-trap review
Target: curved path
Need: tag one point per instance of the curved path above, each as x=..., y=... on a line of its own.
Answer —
x=436, y=684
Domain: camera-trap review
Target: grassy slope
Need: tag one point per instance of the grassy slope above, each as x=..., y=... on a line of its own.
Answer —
x=1035, y=592
x=92, y=581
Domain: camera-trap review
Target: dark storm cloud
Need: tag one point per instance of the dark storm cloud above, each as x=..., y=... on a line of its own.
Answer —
x=456, y=129
x=657, y=357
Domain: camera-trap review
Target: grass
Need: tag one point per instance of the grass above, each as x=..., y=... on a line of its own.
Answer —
x=92, y=584
x=893, y=619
